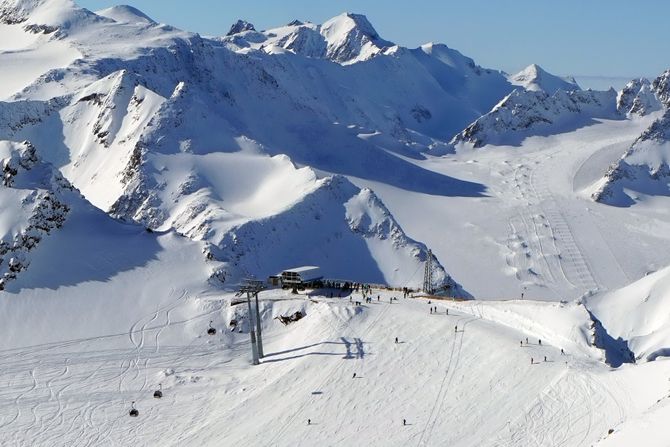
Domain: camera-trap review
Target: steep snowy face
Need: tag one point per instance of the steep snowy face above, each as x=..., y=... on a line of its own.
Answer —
x=641, y=97
x=351, y=38
x=643, y=170
x=528, y=113
x=638, y=97
x=46, y=16
x=345, y=230
x=103, y=125
x=661, y=87
x=369, y=217
x=534, y=78
x=638, y=314
x=34, y=202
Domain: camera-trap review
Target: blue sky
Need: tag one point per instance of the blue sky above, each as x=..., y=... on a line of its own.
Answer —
x=588, y=37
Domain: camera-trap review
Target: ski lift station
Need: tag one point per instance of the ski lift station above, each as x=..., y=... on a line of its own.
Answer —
x=296, y=277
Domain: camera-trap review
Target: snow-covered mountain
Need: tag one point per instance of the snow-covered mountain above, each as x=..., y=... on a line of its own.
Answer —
x=136, y=115
x=535, y=78
x=147, y=170
x=345, y=39
x=525, y=113
x=643, y=170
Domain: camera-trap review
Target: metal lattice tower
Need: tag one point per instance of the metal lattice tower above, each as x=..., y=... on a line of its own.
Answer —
x=252, y=287
x=428, y=274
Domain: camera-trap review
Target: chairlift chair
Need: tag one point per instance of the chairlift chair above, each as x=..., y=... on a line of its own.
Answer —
x=133, y=411
x=211, y=330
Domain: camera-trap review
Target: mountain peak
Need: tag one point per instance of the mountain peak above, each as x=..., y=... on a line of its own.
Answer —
x=351, y=37
x=535, y=78
x=240, y=26
x=347, y=22
x=126, y=14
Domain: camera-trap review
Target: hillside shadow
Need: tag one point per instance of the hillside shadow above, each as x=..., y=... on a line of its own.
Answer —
x=309, y=141
x=89, y=247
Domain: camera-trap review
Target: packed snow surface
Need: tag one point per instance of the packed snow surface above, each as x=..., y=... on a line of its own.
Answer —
x=462, y=378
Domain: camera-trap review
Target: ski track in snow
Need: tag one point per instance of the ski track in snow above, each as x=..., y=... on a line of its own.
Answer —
x=76, y=392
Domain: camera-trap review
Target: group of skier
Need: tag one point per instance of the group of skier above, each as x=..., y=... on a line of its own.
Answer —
x=539, y=343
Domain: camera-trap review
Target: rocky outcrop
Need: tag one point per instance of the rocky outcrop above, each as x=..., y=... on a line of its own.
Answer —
x=527, y=113
x=239, y=27
x=33, y=193
x=644, y=168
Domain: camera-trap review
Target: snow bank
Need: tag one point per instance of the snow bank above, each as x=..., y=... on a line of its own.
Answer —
x=564, y=325
x=637, y=313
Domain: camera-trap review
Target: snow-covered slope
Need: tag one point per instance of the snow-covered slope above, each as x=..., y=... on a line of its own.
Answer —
x=125, y=14
x=527, y=113
x=163, y=167
x=644, y=170
x=534, y=78
x=34, y=201
x=135, y=116
x=638, y=314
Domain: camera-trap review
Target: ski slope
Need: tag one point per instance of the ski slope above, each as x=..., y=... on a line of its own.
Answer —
x=536, y=231
x=475, y=386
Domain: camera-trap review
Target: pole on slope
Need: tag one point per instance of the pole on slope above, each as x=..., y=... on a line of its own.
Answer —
x=252, y=334
x=428, y=274
x=252, y=287
x=259, y=340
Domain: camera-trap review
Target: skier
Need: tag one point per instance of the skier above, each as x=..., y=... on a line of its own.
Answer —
x=521, y=344
x=447, y=311
x=431, y=310
x=456, y=328
x=354, y=376
x=396, y=340
x=539, y=342
x=531, y=360
x=404, y=422
x=309, y=422
x=526, y=340
x=545, y=358
x=377, y=298
x=562, y=353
